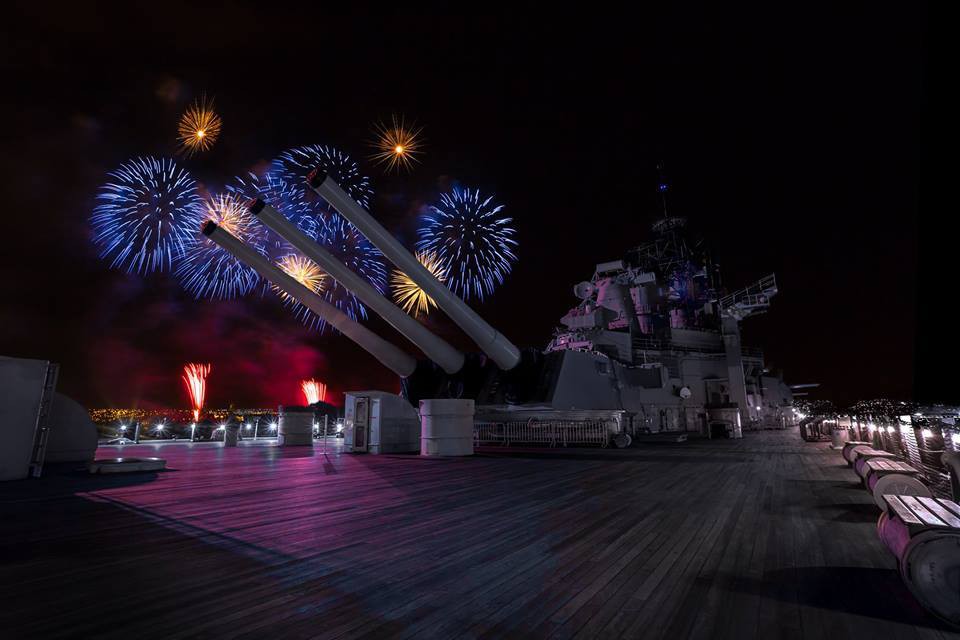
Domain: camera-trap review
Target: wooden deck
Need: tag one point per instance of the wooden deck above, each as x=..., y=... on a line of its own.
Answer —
x=766, y=537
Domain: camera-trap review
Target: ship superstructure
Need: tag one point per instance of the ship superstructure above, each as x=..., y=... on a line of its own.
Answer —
x=655, y=335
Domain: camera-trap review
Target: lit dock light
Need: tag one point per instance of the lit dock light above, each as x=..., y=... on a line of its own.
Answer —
x=927, y=433
x=890, y=429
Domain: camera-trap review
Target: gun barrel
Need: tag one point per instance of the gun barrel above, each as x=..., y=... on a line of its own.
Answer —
x=393, y=358
x=495, y=345
x=434, y=347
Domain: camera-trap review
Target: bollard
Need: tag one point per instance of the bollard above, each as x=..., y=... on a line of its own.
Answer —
x=295, y=426
x=231, y=435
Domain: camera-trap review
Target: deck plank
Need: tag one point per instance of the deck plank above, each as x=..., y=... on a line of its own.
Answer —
x=701, y=539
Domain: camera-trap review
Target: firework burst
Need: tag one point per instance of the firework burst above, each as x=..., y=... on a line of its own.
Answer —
x=397, y=145
x=195, y=379
x=472, y=240
x=199, y=127
x=408, y=293
x=313, y=391
x=309, y=275
x=147, y=216
x=208, y=271
x=293, y=165
x=275, y=191
x=303, y=271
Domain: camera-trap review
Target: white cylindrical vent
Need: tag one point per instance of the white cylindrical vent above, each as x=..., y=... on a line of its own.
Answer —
x=446, y=427
x=295, y=426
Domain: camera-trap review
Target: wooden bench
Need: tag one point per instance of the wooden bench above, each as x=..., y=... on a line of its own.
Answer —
x=883, y=476
x=848, y=446
x=924, y=535
x=862, y=455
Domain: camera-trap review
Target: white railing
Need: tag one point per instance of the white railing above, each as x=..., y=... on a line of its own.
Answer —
x=757, y=294
x=555, y=433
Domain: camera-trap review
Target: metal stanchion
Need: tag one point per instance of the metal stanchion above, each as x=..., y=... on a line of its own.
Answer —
x=325, y=418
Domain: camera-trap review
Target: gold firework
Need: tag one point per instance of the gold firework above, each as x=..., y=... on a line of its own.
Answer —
x=231, y=215
x=303, y=271
x=199, y=127
x=408, y=293
x=397, y=145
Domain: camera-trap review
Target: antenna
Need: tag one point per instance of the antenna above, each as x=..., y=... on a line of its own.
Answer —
x=662, y=187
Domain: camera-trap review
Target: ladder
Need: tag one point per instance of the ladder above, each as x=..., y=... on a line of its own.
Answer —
x=42, y=429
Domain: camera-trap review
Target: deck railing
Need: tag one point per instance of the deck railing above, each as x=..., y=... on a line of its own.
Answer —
x=555, y=433
x=922, y=446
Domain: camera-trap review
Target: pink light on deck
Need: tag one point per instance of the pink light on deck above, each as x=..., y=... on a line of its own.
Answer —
x=314, y=391
x=195, y=378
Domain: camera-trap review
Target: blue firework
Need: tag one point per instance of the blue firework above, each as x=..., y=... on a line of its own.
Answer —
x=293, y=166
x=207, y=270
x=273, y=190
x=473, y=240
x=147, y=215
x=281, y=196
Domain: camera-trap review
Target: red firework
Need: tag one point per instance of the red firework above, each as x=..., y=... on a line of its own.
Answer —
x=195, y=377
x=314, y=391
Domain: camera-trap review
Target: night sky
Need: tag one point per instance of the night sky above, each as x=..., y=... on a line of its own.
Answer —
x=790, y=140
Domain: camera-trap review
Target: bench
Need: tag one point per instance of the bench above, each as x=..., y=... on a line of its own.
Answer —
x=892, y=477
x=924, y=535
x=861, y=455
x=848, y=447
